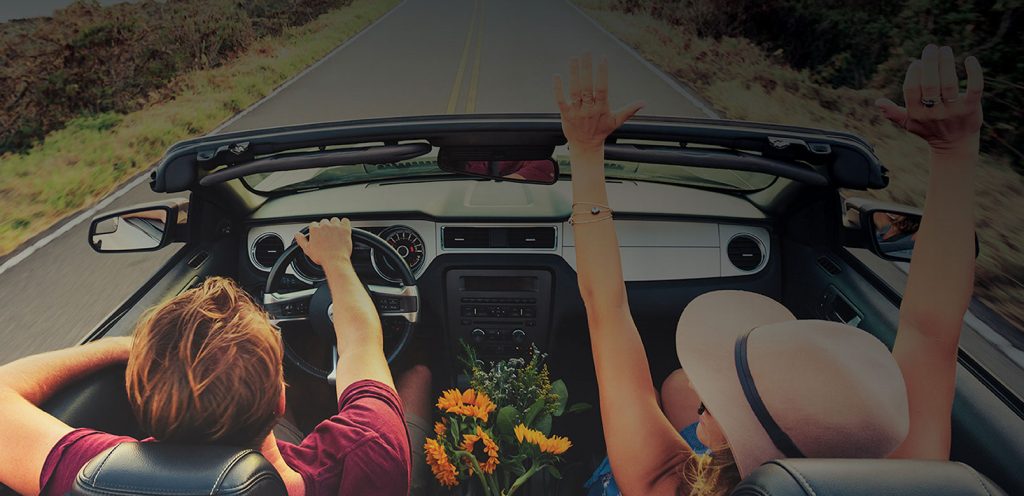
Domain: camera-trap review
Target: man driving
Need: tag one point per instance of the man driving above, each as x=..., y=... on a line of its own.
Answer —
x=206, y=368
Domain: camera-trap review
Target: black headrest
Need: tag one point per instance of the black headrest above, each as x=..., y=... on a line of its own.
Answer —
x=160, y=469
x=808, y=477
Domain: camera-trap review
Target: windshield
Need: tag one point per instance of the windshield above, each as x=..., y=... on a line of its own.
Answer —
x=324, y=177
x=300, y=180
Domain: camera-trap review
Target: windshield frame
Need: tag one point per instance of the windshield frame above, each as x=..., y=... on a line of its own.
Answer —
x=186, y=162
x=563, y=173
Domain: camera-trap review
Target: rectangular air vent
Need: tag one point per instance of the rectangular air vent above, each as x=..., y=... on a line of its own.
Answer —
x=531, y=237
x=466, y=237
x=461, y=238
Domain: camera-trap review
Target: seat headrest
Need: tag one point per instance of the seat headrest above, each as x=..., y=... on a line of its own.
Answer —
x=161, y=469
x=804, y=477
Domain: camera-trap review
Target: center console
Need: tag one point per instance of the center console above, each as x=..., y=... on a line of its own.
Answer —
x=499, y=312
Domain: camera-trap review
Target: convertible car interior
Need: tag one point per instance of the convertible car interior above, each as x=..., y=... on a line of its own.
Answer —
x=486, y=258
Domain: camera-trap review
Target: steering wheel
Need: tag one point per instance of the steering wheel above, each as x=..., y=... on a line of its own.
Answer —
x=314, y=305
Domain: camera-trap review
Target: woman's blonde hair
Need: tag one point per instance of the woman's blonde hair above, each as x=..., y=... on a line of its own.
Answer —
x=205, y=367
x=713, y=474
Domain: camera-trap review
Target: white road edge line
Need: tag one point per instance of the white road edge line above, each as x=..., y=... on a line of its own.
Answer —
x=671, y=81
x=144, y=176
x=653, y=68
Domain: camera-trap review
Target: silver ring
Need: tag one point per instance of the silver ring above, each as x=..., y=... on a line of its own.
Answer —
x=928, y=102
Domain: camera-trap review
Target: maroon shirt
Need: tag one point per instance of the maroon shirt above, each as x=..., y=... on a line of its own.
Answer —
x=364, y=449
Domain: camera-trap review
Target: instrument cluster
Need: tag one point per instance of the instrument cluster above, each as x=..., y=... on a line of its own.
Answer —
x=266, y=246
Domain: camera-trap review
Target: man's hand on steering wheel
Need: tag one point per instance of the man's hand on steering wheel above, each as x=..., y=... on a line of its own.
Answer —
x=345, y=307
x=329, y=241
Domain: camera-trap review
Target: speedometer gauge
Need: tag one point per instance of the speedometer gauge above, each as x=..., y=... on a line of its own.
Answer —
x=408, y=244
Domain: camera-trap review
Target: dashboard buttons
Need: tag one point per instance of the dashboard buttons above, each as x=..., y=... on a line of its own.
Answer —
x=478, y=335
x=295, y=309
x=518, y=336
x=389, y=304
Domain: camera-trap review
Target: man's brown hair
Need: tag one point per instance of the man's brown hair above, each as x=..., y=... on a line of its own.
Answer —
x=205, y=367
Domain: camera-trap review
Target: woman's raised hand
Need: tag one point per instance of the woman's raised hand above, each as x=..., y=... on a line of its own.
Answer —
x=586, y=119
x=936, y=110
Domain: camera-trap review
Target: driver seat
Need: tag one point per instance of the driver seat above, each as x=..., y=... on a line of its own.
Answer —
x=819, y=477
x=160, y=469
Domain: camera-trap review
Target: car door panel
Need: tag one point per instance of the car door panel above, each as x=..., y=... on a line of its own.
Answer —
x=988, y=434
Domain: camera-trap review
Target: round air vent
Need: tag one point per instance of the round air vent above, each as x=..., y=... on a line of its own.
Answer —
x=265, y=251
x=745, y=252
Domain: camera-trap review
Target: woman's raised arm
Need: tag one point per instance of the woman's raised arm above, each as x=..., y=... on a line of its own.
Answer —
x=942, y=268
x=643, y=447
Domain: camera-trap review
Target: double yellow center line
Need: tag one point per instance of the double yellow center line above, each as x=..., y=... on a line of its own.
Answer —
x=476, y=26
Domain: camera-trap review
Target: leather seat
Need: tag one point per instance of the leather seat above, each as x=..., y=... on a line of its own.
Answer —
x=817, y=477
x=161, y=469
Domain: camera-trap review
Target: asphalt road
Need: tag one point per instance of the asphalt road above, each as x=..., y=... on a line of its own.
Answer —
x=425, y=57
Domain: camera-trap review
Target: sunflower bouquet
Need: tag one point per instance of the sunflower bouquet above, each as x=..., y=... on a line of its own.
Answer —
x=498, y=431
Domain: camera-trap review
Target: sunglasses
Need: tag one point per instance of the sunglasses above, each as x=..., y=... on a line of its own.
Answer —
x=701, y=409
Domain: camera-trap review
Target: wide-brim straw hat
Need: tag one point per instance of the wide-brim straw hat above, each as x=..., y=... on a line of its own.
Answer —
x=835, y=391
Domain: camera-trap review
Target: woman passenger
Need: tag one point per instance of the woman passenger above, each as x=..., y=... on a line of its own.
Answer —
x=760, y=384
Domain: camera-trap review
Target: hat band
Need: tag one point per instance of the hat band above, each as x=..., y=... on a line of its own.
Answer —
x=779, y=437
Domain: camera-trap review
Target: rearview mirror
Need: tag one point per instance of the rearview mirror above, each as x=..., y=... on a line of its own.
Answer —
x=139, y=228
x=504, y=164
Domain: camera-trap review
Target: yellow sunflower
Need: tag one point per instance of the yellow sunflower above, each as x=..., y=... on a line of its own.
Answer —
x=526, y=434
x=467, y=404
x=450, y=399
x=555, y=445
x=437, y=458
x=490, y=449
x=440, y=428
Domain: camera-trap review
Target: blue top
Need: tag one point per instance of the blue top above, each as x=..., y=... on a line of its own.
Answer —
x=602, y=483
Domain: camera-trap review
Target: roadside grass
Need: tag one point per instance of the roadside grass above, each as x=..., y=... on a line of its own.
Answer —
x=742, y=81
x=92, y=155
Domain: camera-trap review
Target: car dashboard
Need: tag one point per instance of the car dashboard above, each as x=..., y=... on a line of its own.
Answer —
x=494, y=260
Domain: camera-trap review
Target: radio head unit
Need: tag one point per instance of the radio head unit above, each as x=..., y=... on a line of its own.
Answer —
x=499, y=312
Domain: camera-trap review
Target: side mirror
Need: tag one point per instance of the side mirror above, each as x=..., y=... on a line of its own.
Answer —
x=888, y=230
x=146, y=227
x=503, y=164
